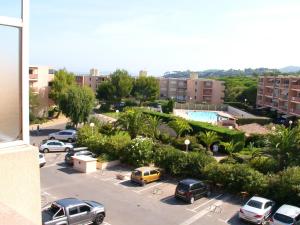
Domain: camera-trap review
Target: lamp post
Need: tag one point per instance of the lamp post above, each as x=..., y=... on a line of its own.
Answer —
x=187, y=142
x=230, y=127
x=290, y=122
x=245, y=101
x=92, y=126
x=117, y=111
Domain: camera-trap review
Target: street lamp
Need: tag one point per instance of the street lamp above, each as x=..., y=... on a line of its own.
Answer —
x=230, y=127
x=290, y=122
x=117, y=111
x=92, y=126
x=187, y=142
x=245, y=101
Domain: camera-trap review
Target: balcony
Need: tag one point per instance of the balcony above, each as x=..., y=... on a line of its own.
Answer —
x=295, y=111
x=295, y=99
x=284, y=86
x=295, y=87
x=270, y=84
x=33, y=77
x=283, y=97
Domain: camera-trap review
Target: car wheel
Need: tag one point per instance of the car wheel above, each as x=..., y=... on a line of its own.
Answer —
x=52, y=138
x=192, y=199
x=46, y=150
x=70, y=140
x=67, y=149
x=143, y=183
x=99, y=219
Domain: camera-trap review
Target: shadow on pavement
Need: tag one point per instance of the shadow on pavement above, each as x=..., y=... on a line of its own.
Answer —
x=43, y=132
x=171, y=200
x=68, y=170
x=129, y=183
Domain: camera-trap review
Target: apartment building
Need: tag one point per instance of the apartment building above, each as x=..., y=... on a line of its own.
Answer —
x=40, y=79
x=193, y=89
x=280, y=93
x=92, y=80
x=20, y=195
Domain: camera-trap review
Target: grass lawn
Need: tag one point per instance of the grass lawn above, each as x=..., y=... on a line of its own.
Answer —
x=112, y=114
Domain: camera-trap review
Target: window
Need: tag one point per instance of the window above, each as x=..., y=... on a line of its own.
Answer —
x=73, y=211
x=11, y=8
x=152, y=172
x=84, y=208
x=60, y=213
x=255, y=204
x=146, y=173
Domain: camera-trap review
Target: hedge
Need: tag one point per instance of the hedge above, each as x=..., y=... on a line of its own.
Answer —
x=259, y=120
x=224, y=133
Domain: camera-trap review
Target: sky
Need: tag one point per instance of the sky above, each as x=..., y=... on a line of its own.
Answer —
x=164, y=35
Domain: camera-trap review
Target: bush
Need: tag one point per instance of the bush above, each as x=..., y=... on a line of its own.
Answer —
x=139, y=152
x=116, y=143
x=179, y=163
x=130, y=103
x=179, y=142
x=165, y=138
x=264, y=164
x=258, y=140
x=104, y=157
x=236, y=177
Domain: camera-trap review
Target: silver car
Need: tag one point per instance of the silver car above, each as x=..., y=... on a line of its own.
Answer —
x=286, y=215
x=54, y=145
x=64, y=135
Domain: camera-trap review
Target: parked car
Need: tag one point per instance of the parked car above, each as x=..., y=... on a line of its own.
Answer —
x=64, y=135
x=286, y=215
x=71, y=211
x=144, y=175
x=42, y=160
x=257, y=210
x=69, y=159
x=54, y=145
x=191, y=189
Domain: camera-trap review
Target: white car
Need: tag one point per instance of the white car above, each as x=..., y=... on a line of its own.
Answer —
x=257, y=210
x=64, y=135
x=286, y=215
x=54, y=145
x=42, y=160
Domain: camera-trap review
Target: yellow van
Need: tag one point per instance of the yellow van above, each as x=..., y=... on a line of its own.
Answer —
x=144, y=175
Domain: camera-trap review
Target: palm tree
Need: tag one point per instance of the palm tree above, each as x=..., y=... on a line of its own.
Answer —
x=152, y=126
x=180, y=126
x=208, y=138
x=283, y=145
x=231, y=146
x=133, y=121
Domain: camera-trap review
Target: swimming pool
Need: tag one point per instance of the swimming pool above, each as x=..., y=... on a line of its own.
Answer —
x=203, y=116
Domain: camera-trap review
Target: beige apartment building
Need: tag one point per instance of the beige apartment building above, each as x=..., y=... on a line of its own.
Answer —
x=20, y=195
x=92, y=80
x=40, y=79
x=281, y=93
x=193, y=89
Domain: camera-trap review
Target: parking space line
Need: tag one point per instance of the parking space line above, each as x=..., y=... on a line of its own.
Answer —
x=147, y=188
x=107, y=179
x=201, y=213
x=197, y=207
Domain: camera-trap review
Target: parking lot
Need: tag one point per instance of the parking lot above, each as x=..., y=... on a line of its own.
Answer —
x=129, y=203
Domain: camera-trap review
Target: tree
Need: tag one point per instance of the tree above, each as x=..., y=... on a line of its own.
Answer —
x=180, y=126
x=208, y=138
x=133, y=121
x=77, y=103
x=231, y=146
x=122, y=82
x=106, y=91
x=283, y=145
x=146, y=88
x=62, y=81
x=33, y=100
x=152, y=126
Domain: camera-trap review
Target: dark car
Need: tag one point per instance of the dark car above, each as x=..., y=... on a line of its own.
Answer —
x=71, y=211
x=69, y=159
x=191, y=189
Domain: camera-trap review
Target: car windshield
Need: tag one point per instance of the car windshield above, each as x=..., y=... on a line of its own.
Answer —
x=183, y=187
x=255, y=204
x=283, y=218
x=137, y=173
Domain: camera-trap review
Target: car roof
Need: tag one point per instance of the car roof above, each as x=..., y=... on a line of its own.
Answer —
x=65, y=202
x=289, y=210
x=259, y=199
x=52, y=141
x=69, y=130
x=189, y=181
x=146, y=168
x=76, y=152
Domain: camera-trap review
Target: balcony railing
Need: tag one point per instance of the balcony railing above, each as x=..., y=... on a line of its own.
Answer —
x=33, y=76
x=284, y=97
x=295, y=111
x=295, y=99
x=269, y=84
x=295, y=86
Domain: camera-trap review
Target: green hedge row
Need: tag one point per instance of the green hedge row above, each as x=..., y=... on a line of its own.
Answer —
x=259, y=120
x=224, y=133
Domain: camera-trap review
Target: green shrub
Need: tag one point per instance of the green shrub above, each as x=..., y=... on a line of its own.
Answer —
x=104, y=157
x=139, y=152
x=165, y=138
x=179, y=163
x=116, y=143
x=258, y=140
x=179, y=142
x=264, y=164
x=236, y=177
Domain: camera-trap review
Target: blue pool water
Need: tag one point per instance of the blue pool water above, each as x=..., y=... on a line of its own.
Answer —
x=203, y=116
